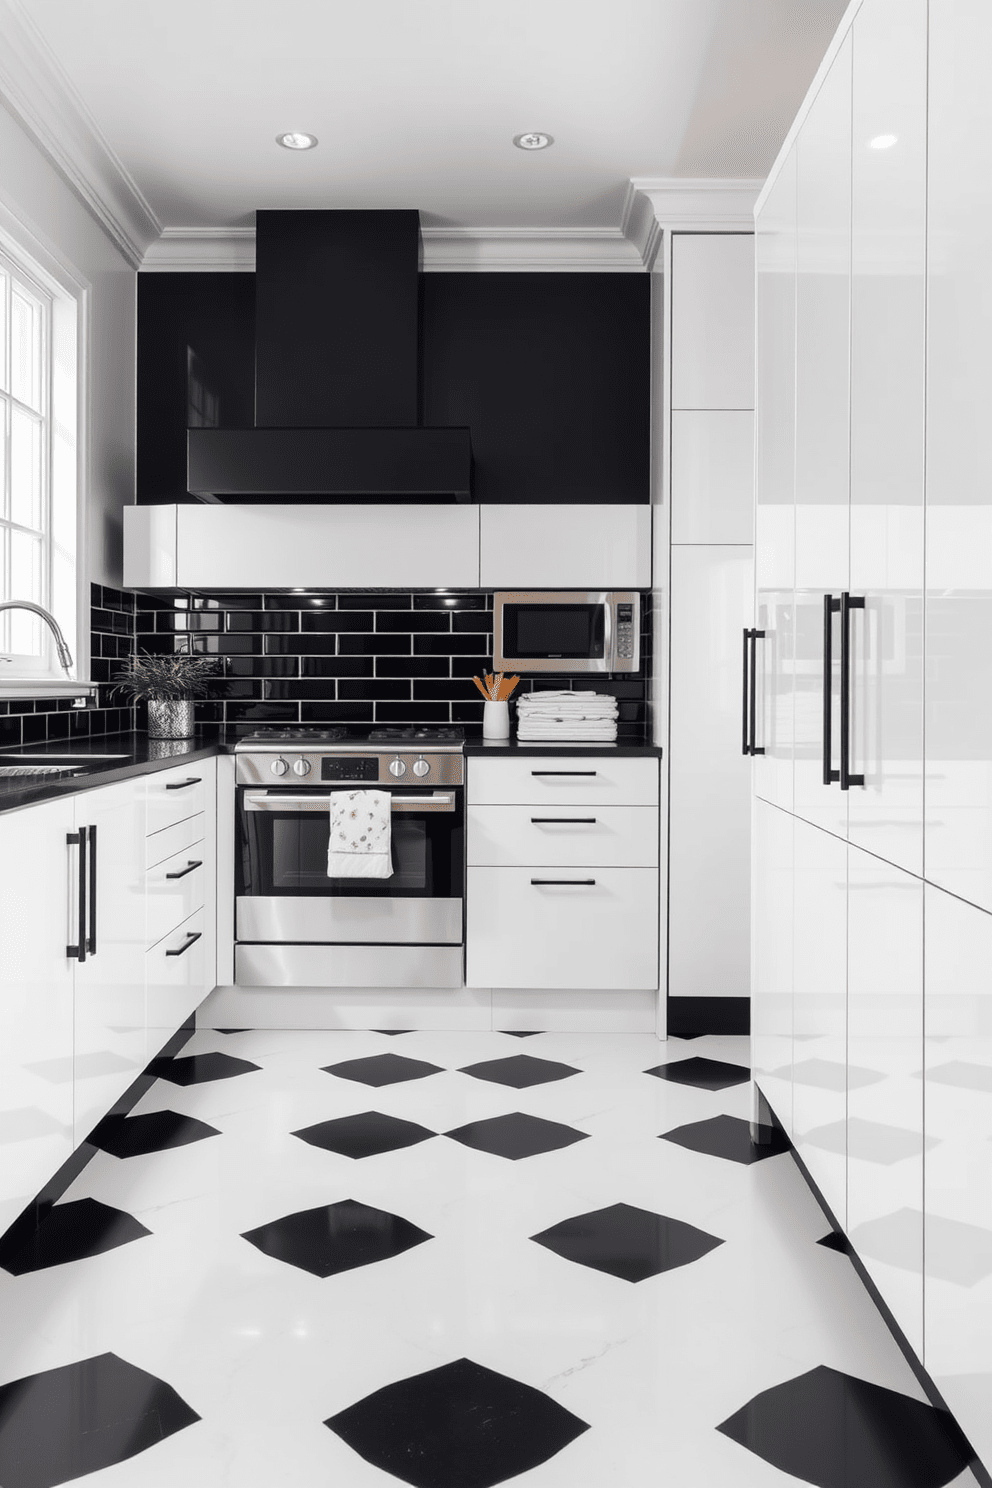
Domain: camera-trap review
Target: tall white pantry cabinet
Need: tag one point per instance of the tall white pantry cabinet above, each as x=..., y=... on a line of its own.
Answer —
x=872, y=800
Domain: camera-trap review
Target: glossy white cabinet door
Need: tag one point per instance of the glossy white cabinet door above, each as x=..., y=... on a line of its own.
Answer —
x=775, y=489
x=819, y=1070
x=771, y=957
x=565, y=547
x=713, y=320
x=888, y=341
x=884, y=1089
x=958, y=831
x=109, y=1051
x=709, y=811
x=822, y=425
x=327, y=547
x=712, y=476
x=37, y=921
x=175, y=974
x=958, y=1184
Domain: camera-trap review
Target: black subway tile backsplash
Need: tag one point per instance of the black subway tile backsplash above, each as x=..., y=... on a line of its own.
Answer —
x=375, y=645
x=413, y=621
x=452, y=601
x=452, y=645
x=335, y=620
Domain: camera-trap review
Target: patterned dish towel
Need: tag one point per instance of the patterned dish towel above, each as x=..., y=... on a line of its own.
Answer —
x=361, y=835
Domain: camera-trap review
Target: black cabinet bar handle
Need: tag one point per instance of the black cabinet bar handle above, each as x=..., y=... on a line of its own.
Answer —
x=91, y=945
x=190, y=865
x=192, y=936
x=563, y=772
x=77, y=952
x=847, y=604
x=585, y=821
x=182, y=784
x=574, y=882
x=745, y=694
x=756, y=635
x=830, y=607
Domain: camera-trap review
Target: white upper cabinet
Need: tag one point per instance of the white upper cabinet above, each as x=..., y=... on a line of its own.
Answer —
x=37, y=921
x=775, y=491
x=713, y=320
x=712, y=475
x=958, y=833
x=304, y=547
x=888, y=322
x=565, y=547
x=823, y=290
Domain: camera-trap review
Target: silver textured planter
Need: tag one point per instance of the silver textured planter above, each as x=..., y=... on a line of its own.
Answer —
x=170, y=718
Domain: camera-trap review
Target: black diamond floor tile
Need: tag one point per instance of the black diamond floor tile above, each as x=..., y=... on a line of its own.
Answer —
x=521, y=1032
x=232, y=1030
x=460, y=1426
x=198, y=1069
x=68, y=1232
x=630, y=1243
x=705, y=1074
x=833, y=1241
x=65, y=1423
x=836, y=1431
x=336, y=1237
x=520, y=1071
x=134, y=1136
x=392, y=1032
x=364, y=1136
x=729, y=1137
x=516, y=1135
x=382, y=1069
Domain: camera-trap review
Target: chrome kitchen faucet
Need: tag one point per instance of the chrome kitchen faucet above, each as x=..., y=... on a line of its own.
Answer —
x=65, y=655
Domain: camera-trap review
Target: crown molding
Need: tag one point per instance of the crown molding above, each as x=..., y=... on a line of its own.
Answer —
x=35, y=89
x=446, y=249
x=685, y=204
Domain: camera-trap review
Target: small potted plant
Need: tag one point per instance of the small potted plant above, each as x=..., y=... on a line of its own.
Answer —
x=168, y=684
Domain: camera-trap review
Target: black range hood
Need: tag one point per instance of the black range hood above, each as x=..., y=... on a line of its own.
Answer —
x=336, y=372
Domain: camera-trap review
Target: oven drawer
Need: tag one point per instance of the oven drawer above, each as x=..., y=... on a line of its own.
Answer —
x=543, y=780
x=326, y=918
x=617, y=836
x=556, y=927
x=173, y=891
x=173, y=795
x=347, y=966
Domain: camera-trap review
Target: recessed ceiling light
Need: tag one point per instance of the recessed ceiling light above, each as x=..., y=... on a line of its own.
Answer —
x=295, y=140
x=883, y=141
x=533, y=141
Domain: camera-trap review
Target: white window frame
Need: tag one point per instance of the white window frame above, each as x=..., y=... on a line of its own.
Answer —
x=66, y=298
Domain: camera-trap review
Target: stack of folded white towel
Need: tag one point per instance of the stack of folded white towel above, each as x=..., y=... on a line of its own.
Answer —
x=567, y=715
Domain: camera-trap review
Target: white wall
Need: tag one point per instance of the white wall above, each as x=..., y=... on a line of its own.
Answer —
x=35, y=196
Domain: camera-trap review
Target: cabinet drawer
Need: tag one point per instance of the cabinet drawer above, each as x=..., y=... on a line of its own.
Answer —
x=173, y=890
x=170, y=840
x=607, y=836
x=175, y=979
x=173, y=795
x=599, y=928
x=563, y=781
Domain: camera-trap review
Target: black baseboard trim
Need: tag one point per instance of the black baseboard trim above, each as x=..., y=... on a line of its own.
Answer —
x=689, y=1017
x=767, y=1115
x=32, y=1214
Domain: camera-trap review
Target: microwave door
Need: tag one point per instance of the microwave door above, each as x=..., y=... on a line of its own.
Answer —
x=553, y=633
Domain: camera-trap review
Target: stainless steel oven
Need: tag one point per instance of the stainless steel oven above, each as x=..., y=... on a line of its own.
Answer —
x=294, y=925
x=567, y=631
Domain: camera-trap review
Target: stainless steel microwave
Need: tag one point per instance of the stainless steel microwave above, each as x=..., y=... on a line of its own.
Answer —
x=559, y=630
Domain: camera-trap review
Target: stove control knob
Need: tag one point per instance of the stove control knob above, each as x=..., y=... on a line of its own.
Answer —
x=279, y=767
x=397, y=767
x=301, y=767
x=421, y=767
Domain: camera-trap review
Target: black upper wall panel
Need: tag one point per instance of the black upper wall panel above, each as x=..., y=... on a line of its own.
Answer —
x=551, y=372
x=194, y=329
x=336, y=319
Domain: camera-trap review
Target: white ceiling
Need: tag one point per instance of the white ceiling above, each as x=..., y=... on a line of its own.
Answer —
x=415, y=102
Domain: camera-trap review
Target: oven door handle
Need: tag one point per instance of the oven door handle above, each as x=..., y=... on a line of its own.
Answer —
x=276, y=801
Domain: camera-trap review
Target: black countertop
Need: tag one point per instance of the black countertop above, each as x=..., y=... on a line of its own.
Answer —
x=508, y=748
x=126, y=756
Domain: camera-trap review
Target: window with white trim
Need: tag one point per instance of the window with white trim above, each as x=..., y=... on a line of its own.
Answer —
x=38, y=519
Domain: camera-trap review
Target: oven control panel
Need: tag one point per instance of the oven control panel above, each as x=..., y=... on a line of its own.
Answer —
x=291, y=768
x=349, y=768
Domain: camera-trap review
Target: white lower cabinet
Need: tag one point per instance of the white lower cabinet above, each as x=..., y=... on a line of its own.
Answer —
x=35, y=1002
x=771, y=957
x=563, y=927
x=612, y=836
x=958, y=1185
x=175, y=974
x=109, y=1049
